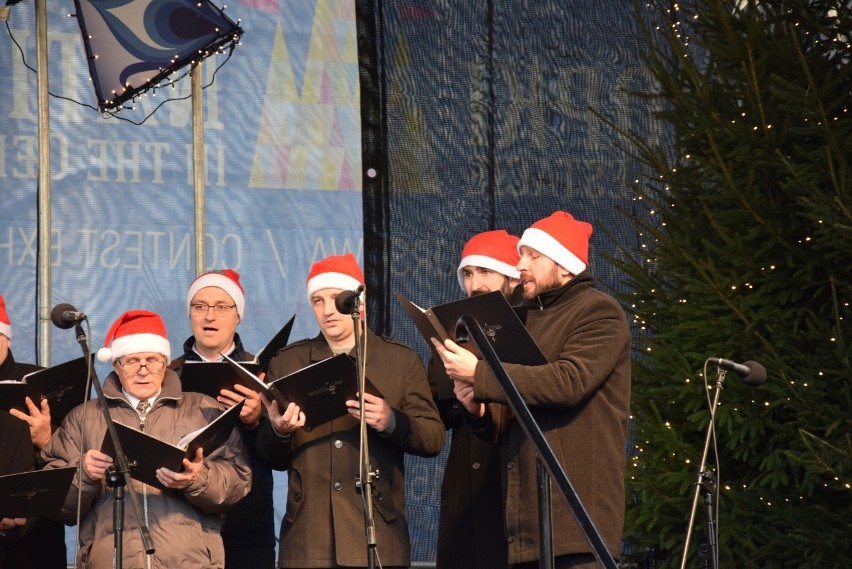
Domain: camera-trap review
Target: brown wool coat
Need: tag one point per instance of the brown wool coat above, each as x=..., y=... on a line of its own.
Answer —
x=580, y=400
x=323, y=525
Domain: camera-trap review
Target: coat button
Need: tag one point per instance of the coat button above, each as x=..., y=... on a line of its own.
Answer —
x=510, y=465
x=510, y=539
x=338, y=486
x=379, y=496
x=475, y=465
x=297, y=497
x=338, y=443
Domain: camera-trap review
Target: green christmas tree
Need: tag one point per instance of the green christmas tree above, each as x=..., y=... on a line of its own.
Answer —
x=747, y=231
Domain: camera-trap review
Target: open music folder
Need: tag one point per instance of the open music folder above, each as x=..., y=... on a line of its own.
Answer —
x=212, y=377
x=34, y=493
x=320, y=389
x=149, y=453
x=508, y=335
x=63, y=385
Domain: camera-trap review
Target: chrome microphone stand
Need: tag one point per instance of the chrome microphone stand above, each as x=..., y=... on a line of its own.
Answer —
x=706, y=484
x=366, y=475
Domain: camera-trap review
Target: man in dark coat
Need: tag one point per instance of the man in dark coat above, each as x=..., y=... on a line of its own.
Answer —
x=216, y=305
x=580, y=399
x=470, y=528
x=324, y=525
x=42, y=546
x=17, y=456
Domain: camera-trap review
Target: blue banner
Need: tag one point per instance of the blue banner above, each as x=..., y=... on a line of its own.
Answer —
x=282, y=156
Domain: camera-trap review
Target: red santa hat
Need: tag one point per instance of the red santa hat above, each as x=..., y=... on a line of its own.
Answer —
x=496, y=250
x=5, y=323
x=336, y=271
x=135, y=331
x=562, y=238
x=226, y=279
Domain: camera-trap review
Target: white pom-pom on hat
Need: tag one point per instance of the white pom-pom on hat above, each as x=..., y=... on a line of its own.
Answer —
x=5, y=323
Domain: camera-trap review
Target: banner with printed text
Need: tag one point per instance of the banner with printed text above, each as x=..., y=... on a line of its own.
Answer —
x=282, y=154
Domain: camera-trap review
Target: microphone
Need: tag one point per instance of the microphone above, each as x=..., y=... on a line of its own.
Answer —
x=345, y=301
x=752, y=373
x=64, y=316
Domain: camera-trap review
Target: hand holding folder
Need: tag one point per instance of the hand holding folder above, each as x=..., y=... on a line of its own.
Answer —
x=63, y=385
x=508, y=335
x=149, y=453
x=36, y=493
x=212, y=377
x=320, y=390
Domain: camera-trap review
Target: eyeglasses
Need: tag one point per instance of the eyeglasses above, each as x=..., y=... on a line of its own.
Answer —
x=203, y=307
x=135, y=366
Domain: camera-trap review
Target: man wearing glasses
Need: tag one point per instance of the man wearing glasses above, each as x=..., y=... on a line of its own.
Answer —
x=185, y=518
x=216, y=303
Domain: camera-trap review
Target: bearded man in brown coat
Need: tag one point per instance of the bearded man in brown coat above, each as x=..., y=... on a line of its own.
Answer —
x=580, y=398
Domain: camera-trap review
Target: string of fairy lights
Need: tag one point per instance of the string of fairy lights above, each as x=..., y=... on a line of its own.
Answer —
x=163, y=78
x=166, y=77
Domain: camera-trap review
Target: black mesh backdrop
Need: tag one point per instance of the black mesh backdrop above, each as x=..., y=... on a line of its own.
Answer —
x=479, y=115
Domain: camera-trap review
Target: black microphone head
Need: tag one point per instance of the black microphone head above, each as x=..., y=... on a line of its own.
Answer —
x=756, y=374
x=345, y=302
x=56, y=315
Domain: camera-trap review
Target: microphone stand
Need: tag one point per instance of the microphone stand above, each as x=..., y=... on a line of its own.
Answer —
x=366, y=475
x=706, y=483
x=120, y=477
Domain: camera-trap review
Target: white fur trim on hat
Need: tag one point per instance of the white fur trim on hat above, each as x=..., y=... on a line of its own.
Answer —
x=332, y=280
x=542, y=242
x=486, y=263
x=218, y=280
x=134, y=344
x=6, y=330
